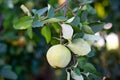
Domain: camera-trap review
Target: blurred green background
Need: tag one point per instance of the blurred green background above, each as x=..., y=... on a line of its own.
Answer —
x=27, y=56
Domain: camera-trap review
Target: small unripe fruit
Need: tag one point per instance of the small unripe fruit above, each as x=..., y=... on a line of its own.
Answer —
x=58, y=56
x=79, y=47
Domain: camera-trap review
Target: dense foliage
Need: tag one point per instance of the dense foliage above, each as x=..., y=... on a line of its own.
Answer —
x=39, y=28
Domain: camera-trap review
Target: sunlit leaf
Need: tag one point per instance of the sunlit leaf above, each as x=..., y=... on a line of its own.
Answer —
x=67, y=31
x=42, y=11
x=75, y=76
x=88, y=29
x=23, y=23
x=51, y=20
x=85, y=1
x=51, y=11
x=56, y=26
x=68, y=75
x=46, y=32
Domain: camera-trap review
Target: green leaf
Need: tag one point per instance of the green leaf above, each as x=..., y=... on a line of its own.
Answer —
x=34, y=11
x=51, y=20
x=97, y=26
x=76, y=21
x=56, y=26
x=42, y=11
x=29, y=32
x=7, y=73
x=52, y=2
x=75, y=76
x=91, y=10
x=85, y=1
x=61, y=18
x=37, y=24
x=84, y=15
x=78, y=35
x=75, y=28
x=95, y=76
x=46, y=32
x=81, y=62
x=51, y=11
x=91, y=53
x=23, y=23
x=77, y=71
x=88, y=29
x=88, y=67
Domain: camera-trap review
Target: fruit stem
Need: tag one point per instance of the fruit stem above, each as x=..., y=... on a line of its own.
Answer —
x=65, y=4
x=61, y=35
x=69, y=40
x=75, y=63
x=62, y=6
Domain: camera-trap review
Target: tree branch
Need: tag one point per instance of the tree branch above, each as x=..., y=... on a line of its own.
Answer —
x=60, y=7
x=61, y=35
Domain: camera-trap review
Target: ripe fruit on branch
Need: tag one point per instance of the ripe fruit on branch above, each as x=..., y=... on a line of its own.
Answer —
x=58, y=56
x=79, y=47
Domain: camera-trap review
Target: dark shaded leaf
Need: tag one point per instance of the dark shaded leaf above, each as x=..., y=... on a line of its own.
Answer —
x=7, y=73
x=76, y=21
x=37, y=24
x=81, y=62
x=91, y=10
x=75, y=28
x=97, y=26
x=91, y=53
x=78, y=35
x=88, y=67
x=83, y=16
x=3, y=48
x=77, y=71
